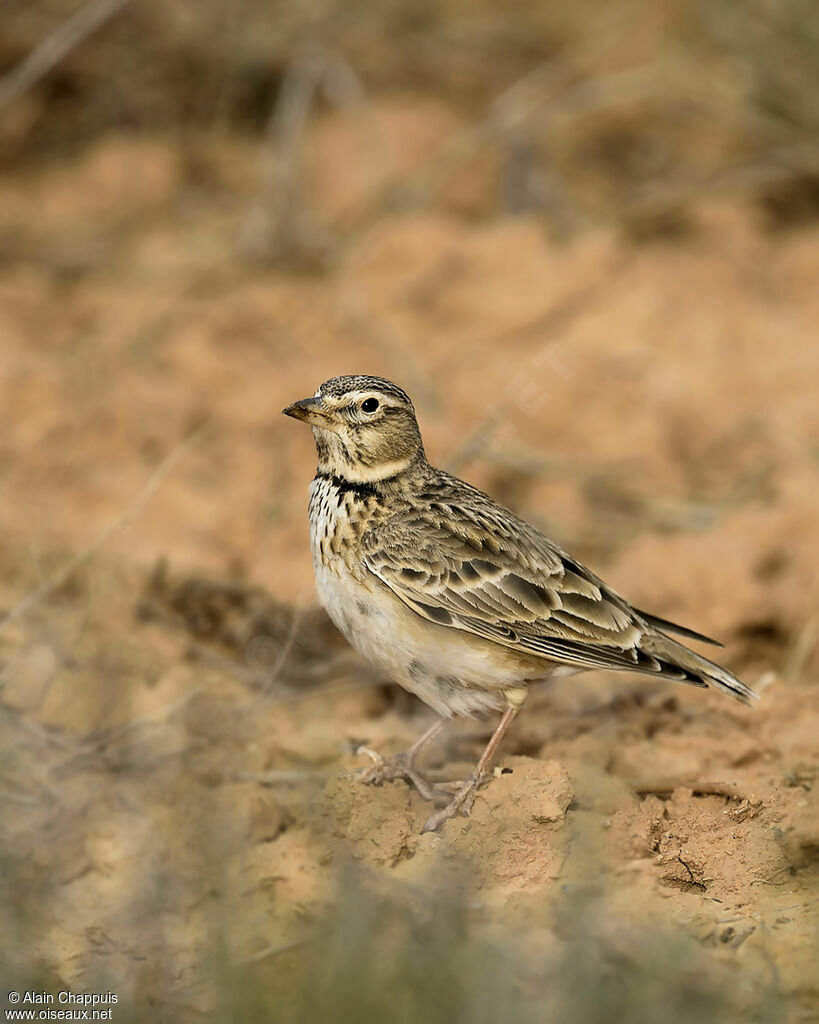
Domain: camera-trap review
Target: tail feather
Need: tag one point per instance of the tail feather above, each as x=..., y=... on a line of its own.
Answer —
x=666, y=626
x=676, y=661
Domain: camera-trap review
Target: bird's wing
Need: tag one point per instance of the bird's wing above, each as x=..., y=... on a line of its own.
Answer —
x=475, y=567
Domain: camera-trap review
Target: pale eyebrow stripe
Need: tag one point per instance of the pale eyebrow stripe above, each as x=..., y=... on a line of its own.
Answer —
x=352, y=397
x=385, y=400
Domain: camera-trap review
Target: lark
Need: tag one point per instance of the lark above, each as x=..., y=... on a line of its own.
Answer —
x=452, y=595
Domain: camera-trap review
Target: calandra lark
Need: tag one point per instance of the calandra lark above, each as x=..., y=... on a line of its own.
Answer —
x=451, y=594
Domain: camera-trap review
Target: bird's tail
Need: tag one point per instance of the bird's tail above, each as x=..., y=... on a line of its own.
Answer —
x=675, y=660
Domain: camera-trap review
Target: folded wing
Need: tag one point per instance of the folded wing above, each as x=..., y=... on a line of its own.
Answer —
x=476, y=568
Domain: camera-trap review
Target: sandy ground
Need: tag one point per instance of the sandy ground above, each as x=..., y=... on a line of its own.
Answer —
x=180, y=736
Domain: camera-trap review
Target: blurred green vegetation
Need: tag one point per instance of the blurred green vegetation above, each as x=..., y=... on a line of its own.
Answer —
x=409, y=956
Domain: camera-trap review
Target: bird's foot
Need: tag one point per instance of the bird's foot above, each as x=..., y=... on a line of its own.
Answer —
x=461, y=803
x=389, y=769
x=383, y=769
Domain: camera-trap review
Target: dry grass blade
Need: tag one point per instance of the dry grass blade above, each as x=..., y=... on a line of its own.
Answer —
x=804, y=644
x=55, y=47
x=272, y=229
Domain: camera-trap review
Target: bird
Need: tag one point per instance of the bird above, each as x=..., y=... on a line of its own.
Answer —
x=452, y=595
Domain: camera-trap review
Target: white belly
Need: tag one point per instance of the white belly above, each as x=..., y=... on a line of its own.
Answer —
x=453, y=671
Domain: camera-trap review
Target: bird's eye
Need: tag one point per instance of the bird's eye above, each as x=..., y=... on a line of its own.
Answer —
x=369, y=405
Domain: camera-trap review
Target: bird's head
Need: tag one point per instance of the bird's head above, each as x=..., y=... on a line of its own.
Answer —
x=365, y=428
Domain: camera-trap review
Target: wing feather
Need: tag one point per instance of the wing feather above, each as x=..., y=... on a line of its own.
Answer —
x=497, y=577
x=470, y=564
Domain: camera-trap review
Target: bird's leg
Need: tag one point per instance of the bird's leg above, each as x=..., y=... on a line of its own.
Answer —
x=402, y=766
x=465, y=797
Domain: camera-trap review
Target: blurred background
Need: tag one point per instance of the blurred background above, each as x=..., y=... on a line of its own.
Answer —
x=584, y=238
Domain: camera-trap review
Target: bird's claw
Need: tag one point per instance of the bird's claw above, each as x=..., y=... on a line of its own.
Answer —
x=461, y=803
x=390, y=769
x=382, y=769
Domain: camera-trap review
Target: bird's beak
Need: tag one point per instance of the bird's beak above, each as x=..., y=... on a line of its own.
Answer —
x=309, y=410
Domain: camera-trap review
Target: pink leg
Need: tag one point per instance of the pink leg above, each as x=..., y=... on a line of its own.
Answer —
x=402, y=766
x=465, y=797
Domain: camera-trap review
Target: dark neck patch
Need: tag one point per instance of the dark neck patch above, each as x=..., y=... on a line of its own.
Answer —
x=344, y=486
